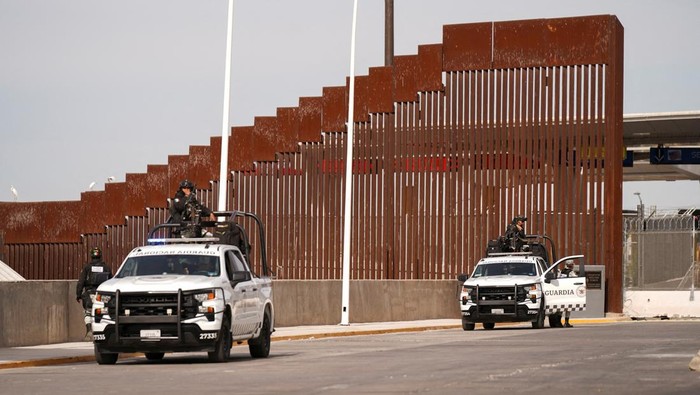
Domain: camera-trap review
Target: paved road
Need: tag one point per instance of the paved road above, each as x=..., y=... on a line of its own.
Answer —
x=615, y=358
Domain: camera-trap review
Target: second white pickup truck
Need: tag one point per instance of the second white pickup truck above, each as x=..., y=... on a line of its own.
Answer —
x=518, y=287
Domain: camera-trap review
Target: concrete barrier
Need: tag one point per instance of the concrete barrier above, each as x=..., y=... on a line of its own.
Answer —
x=39, y=312
x=45, y=312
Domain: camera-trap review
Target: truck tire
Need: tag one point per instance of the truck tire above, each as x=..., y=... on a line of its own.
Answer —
x=105, y=358
x=467, y=326
x=539, y=322
x=154, y=356
x=223, y=344
x=260, y=347
x=489, y=325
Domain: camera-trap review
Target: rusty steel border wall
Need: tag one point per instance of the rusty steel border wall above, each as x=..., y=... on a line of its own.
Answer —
x=500, y=119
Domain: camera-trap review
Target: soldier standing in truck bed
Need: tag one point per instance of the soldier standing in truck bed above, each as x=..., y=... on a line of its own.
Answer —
x=515, y=233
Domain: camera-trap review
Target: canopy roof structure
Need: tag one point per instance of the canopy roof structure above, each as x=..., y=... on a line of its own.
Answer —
x=642, y=132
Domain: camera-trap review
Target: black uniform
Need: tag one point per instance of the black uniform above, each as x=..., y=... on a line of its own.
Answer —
x=181, y=209
x=515, y=237
x=93, y=274
x=184, y=208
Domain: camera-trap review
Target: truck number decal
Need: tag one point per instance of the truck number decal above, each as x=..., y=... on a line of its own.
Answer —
x=99, y=337
x=206, y=336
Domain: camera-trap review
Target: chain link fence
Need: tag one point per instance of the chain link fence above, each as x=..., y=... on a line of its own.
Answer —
x=661, y=251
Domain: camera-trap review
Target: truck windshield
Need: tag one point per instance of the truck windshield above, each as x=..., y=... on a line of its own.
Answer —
x=153, y=265
x=505, y=269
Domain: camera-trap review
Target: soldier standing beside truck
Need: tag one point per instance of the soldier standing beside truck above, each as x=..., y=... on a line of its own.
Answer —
x=93, y=274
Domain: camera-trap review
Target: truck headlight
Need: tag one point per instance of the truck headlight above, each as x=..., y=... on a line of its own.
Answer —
x=103, y=297
x=206, y=301
x=102, y=305
x=467, y=294
x=533, y=292
x=202, y=297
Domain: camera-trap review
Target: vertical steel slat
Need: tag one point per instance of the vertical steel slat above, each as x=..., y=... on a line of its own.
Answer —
x=423, y=205
x=584, y=184
x=600, y=142
x=450, y=196
x=280, y=245
x=520, y=181
x=455, y=164
x=529, y=133
x=401, y=212
x=325, y=194
x=498, y=149
x=569, y=194
x=412, y=189
x=559, y=158
x=400, y=253
x=304, y=214
x=366, y=202
x=440, y=173
x=477, y=156
x=575, y=231
x=314, y=203
x=337, y=207
x=544, y=106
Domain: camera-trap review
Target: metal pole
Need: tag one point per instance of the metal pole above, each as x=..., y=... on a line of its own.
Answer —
x=225, y=125
x=347, y=220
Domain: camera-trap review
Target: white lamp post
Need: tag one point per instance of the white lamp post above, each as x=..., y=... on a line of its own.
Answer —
x=225, y=126
x=347, y=219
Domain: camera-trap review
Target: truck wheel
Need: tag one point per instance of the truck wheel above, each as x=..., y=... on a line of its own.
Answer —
x=467, y=326
x=105, y=358
x=539, y=323
x=223, y=344
x=154, y=356
x=489, y=325
x=260, y=347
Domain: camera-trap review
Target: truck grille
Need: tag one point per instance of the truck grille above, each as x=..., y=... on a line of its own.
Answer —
x=155, y=305
x=506, y=294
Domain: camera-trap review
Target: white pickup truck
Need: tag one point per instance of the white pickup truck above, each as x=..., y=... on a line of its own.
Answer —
x=183, y=295
x=518, y=287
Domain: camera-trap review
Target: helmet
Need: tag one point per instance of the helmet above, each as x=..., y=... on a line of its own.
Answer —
x=187, y=184
x=519, y=218
x=569, y=264
x=95, y=253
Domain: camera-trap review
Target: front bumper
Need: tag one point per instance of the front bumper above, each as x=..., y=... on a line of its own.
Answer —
x=522, y=312
x=188, y=337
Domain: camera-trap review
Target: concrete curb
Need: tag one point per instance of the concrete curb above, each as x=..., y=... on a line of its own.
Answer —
x=46, y=362
x=360, y=332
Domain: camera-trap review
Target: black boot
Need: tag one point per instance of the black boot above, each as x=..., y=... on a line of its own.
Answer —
x=566, y=324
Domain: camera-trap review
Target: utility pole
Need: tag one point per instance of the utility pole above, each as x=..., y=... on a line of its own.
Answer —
x=388, y=32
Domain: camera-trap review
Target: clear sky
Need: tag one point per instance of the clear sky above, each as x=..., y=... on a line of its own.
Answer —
x=92, y=89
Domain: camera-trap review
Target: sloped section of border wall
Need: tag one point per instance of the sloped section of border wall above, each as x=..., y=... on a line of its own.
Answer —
x=500, y=119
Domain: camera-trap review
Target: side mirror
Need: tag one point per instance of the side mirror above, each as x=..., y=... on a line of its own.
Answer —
x=462, y=277
x=548, y=277
x=237, y=277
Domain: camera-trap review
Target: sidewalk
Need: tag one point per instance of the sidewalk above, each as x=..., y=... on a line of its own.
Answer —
x=62, y=353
